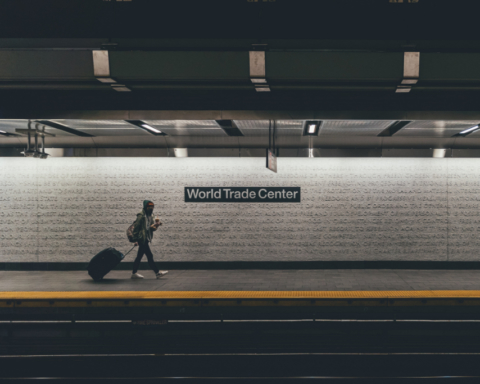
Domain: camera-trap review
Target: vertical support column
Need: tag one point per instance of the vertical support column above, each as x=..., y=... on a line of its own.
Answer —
x=101, y=70
x=257, y=71
x=411, y=71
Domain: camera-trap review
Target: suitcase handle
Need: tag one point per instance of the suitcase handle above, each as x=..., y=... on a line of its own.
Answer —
x=130, y=250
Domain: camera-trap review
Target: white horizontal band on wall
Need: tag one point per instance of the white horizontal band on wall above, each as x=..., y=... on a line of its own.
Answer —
x=351, y=209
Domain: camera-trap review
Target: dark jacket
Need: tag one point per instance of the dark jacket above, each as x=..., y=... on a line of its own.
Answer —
x=140, y=226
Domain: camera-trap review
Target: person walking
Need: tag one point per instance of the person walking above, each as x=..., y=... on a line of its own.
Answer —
x=143, y=231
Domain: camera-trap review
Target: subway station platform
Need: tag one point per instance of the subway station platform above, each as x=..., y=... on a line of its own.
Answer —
x=242, y=294
x=246, y=280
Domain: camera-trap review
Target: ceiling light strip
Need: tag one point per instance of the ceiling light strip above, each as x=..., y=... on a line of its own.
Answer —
x=146, y=127
x=470, y=130
x=151, y=129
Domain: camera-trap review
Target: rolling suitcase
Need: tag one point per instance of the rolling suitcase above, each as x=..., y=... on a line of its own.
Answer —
x=104, y=261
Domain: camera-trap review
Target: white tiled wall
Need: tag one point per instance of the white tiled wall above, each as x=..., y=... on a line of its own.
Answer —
x=68, y=209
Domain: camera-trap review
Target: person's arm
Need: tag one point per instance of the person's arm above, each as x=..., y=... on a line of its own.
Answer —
x=137, y=226
x=138, y=223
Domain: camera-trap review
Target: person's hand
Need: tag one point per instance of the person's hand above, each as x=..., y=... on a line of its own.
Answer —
x=135, y=244
x=154, y=227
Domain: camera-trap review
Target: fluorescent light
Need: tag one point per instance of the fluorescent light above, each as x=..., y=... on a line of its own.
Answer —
x=311, y=128
x=469, y=130
x=146, y=127
x=151, y=128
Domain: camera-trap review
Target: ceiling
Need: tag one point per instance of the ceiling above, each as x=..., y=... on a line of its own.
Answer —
x=199, y=133
x=253, y=128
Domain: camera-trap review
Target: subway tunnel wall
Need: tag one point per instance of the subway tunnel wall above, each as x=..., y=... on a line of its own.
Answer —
x=352, y=209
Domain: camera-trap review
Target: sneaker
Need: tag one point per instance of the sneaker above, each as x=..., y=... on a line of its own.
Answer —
x=136, y=276
x=161, y=273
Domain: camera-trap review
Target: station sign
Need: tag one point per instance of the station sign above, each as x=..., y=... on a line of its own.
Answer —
x=242, y=194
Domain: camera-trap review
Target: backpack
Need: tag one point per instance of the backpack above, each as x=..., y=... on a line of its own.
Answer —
x=130, y=233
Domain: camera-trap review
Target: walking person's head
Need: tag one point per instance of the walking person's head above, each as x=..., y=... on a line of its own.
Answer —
x=148, y=207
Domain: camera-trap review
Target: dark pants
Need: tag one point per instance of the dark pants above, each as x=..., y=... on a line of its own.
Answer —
x=144, y=249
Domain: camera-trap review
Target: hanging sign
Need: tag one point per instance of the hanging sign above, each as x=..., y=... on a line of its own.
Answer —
x=271, y=161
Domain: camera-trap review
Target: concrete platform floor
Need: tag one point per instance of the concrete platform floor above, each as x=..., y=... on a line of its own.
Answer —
x=247, y=280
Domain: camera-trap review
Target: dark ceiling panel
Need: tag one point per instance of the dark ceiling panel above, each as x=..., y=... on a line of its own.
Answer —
x=329, y=66
x=46, y=65
x=450, y=66
x=194, y=65
x=285, y=19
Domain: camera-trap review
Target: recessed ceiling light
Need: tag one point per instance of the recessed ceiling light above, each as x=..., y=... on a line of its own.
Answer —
x=311, y=128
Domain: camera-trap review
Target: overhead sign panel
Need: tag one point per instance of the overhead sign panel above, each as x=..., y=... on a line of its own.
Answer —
x=242, y=194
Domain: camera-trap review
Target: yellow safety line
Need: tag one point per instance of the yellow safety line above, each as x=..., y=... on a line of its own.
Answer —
x=139, y=295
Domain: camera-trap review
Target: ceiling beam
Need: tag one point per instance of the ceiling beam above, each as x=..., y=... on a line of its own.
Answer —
x=283, y=114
